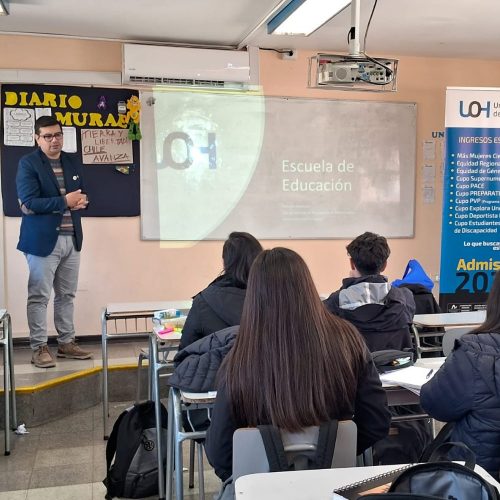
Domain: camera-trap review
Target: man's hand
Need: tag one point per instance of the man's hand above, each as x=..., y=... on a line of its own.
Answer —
x=81, y=204
x=76, y=200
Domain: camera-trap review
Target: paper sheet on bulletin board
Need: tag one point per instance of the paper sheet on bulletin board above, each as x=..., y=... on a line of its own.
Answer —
x=102, y=146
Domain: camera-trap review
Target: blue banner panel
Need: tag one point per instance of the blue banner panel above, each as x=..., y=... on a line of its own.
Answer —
x=470, y=249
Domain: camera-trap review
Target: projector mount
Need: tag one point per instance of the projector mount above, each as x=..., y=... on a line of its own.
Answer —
x=353, y=71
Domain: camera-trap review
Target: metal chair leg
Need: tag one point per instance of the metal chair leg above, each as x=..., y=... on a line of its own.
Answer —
x=177, y=429
x=139, y=370
x=201, y=474
x=153, y=356
x=191, y=463
x=13, y=406
x=150, y=378
x=6, y=383
x=418, y=345
x=169, y=479
x=105, y=402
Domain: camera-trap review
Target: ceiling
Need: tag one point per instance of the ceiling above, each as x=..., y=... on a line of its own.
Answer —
x=430, y=28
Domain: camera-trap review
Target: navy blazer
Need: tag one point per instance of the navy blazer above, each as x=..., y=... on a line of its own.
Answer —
x=42, y=204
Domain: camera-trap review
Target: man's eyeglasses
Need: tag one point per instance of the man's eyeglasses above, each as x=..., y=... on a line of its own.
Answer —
x=49, y=137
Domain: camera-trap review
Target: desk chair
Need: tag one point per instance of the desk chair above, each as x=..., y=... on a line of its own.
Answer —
x=249, y=454
x=176, y=436
x=451, y=335
x=144, y=355
x=131, y=320
x=427, y=341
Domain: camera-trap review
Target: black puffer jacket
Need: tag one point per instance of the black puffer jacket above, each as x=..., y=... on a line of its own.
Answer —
x=215, y=308
x=466, y=390
x=382, y=314
x=197, y=364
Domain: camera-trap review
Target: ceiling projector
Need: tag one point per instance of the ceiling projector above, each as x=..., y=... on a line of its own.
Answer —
x=352, y=70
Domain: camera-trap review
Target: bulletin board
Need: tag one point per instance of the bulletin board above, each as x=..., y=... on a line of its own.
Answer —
x=95, y=135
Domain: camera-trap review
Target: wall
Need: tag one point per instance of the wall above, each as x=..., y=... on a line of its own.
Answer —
x=118, y=267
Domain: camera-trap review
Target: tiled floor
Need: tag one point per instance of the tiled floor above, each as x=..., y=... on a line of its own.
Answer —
x=65, y=459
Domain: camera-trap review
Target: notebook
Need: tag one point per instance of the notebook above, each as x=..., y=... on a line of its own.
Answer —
x=411, y=378
x=353, y=490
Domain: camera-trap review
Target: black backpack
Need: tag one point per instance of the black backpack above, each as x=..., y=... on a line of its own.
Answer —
x=132, y=444
x=406, y=441
x=321, y=458
x=441, y=480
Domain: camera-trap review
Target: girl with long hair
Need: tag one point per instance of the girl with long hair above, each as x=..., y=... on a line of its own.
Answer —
x=220, y=304
x=293, y=364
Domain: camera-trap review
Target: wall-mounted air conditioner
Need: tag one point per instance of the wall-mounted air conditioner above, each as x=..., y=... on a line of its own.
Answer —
x=161, y=65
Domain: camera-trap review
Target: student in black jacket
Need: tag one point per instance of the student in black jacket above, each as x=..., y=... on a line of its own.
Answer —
x=293, y=364
x=382, y=314
x=466, y=389
x=221, y=303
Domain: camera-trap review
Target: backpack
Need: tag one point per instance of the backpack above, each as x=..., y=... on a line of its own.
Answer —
x=444, y=436
x=441, y=480
x=407, y=439
x=321, y=458
x=132, y=444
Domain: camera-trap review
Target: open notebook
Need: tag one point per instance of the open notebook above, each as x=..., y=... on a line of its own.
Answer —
x=354, y=490
x=411, y=378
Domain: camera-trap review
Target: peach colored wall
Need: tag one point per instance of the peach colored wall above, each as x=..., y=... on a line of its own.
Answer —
x=118, y=267
x=38, y=52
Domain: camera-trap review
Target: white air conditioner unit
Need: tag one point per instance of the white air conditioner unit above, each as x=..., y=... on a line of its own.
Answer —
x=161, y=65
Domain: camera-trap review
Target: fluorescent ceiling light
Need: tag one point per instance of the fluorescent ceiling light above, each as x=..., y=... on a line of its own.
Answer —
x=302, y=17
x=4, y=4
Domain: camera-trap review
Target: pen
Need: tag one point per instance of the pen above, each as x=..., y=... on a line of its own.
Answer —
x=428, y=376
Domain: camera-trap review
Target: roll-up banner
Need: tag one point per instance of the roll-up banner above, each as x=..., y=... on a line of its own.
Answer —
x=470, y=244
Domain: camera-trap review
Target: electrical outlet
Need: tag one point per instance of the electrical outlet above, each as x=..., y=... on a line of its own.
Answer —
x=289, y=55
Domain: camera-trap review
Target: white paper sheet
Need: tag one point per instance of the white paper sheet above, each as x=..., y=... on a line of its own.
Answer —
x=411, y=378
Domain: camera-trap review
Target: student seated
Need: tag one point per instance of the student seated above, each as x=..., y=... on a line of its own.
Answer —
x=383, y=314
x=466, y=389
x=293, y=364
x=221, y=303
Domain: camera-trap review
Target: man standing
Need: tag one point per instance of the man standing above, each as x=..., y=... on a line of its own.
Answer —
x=49, y=189
x=382, y=314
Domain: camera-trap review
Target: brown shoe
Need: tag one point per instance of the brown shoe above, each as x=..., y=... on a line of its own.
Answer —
x=42, y=357
x=71, y=350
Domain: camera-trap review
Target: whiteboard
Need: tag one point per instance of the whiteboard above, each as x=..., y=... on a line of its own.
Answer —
x=276, y=167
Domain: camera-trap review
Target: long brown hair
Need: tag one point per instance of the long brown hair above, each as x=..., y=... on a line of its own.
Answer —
x=293, y=363
x=492, y=322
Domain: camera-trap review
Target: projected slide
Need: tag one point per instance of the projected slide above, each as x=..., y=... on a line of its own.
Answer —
x=279, y=168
